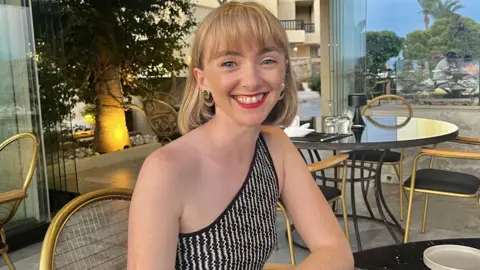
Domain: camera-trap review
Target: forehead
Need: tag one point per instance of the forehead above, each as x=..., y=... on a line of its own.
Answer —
x=243, y=32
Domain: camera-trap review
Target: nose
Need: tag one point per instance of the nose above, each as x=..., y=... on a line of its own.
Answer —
x=251, y=77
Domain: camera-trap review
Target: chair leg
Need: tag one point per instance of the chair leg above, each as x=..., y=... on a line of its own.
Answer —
x=409, y=216
x=399, y=172
x=5, y=255
x=345, y=218
x=8, y=261
x=425, y=209
x=289, y=233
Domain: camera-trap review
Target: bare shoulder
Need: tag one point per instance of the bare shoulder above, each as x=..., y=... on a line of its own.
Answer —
x=275, y=137
x=164, y=171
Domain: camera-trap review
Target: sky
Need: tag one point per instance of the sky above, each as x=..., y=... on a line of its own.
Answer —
x=403, y=16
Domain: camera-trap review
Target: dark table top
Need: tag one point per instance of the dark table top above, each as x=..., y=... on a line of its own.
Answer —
x=404, y=256
x=384, y=132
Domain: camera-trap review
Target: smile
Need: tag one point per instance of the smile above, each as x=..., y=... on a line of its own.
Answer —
x=251, y=101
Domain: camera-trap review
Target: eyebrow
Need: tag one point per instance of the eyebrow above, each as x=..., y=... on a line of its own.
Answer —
x=225, y=53
x=269, y=49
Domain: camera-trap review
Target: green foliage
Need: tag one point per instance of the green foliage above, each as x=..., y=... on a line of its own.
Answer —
x=445, y=9
x=77, y=40
x=315, y=83
x=381, y=46
x=456, y=33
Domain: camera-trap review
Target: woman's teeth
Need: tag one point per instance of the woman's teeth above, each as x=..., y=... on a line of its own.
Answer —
x=249, y=100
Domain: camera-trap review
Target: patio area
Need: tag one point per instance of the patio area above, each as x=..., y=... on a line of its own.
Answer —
x=463, y=219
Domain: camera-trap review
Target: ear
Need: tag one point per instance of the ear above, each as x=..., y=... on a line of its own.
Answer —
x=201, y=79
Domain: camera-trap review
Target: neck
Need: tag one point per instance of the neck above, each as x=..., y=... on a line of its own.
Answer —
x=229, y=137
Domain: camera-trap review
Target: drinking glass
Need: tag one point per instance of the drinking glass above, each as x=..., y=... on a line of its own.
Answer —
x=344, y=123
x=330, y=124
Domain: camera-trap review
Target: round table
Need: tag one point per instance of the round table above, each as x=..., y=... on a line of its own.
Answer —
x=380, y=132
x=404, y=256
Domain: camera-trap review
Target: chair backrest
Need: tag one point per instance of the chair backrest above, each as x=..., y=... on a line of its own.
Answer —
x=162, y=117
x=18, y=159
x=90, y=232
x=393, y=106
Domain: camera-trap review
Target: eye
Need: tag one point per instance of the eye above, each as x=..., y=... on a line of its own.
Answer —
x=229, y=64
x=269, y=62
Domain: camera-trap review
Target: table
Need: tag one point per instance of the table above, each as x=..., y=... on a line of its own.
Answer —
x=404, y=256
x=380, y=132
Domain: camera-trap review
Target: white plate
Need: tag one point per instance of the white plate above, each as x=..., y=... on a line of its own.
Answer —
x=452, y=257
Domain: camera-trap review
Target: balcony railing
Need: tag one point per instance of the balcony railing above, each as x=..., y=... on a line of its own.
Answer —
x=309, y=28
x=298, y=25
x=293, y=24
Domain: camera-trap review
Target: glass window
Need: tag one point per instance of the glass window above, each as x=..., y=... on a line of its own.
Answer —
x=19, y=104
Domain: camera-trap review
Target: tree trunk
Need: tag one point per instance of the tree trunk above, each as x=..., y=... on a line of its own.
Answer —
x=426, y=68
x=111, y=132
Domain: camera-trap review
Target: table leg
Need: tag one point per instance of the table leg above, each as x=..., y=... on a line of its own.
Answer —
x=380, y=200
x=354, y=210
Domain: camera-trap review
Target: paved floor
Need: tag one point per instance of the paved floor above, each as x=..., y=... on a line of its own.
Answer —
x=448, y=217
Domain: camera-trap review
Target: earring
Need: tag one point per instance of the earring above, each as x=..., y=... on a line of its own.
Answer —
x=207, y=96
x=282, y=94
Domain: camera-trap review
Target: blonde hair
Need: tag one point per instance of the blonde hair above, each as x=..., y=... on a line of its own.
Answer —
x=234, y=22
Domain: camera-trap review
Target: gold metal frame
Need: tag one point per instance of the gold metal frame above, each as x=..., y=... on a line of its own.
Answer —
x=445, y=153
x=17, y=196
x=397, y=166
x=47, y=260
x=281, y=208
x=332, y=163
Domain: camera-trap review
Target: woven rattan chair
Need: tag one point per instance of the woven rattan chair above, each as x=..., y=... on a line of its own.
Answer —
x=18, y=159
x=433, y=181
x=162, y=118
x=90, y=232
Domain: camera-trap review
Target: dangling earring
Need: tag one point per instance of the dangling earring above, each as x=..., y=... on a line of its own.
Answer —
x=207, y=96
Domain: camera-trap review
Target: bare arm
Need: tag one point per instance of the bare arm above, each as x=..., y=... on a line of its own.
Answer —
x=312, y=215
x=154, y=217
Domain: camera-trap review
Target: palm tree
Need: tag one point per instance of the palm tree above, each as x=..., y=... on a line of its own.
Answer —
x=445, y=9
x=427, y=6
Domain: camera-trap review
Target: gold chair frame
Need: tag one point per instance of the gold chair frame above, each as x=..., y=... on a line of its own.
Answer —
x=433, y=153
x=281, y=208
x=16, y=196
x=397, y=165
x=47, y=257
x=333, y=162
x=314, y=167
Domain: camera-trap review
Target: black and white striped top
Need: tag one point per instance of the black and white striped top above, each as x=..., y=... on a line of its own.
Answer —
x=244, y=235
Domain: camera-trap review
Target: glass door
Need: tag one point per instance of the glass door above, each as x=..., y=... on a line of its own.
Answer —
x=19, y=100
x=347, y=50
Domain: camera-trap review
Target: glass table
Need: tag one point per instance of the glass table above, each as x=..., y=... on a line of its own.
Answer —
x=380, y=133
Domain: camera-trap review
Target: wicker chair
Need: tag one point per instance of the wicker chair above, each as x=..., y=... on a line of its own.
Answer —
x=18, y=159
x=162, y=118
x=90, y=232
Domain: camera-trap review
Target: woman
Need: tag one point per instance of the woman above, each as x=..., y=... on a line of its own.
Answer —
x=208, y=199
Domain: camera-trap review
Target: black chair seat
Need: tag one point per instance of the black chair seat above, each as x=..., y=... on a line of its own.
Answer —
x=330, y=192
x=375, y=155
x=446, y=181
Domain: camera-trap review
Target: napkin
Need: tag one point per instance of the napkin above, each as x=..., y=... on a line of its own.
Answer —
x=295, y=130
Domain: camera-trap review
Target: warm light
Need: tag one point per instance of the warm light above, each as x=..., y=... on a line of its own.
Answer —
x=295, y=49
x=90, y=118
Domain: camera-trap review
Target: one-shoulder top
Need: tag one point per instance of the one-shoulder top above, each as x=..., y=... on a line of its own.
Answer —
x=244, y=235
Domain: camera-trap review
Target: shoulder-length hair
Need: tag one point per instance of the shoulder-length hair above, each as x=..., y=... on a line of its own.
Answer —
x=233, y=24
